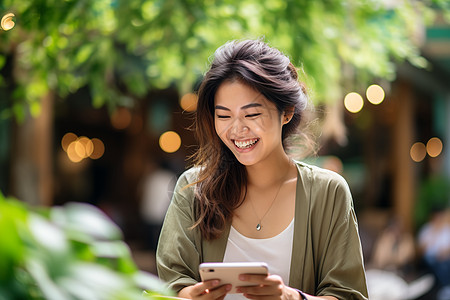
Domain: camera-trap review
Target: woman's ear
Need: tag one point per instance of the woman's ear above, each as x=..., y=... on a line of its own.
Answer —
x=288, y=114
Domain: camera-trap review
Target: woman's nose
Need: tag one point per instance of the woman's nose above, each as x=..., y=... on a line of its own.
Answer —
x=239, y=126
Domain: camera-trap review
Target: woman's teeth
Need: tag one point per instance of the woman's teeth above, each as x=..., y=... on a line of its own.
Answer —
x=245, y=144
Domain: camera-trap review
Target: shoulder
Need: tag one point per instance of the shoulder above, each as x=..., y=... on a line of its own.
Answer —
x=320, y=177
x=188, y=177
x=326, y=191
x=184, y=192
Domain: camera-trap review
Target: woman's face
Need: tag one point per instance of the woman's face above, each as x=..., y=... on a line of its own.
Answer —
x=247, y=123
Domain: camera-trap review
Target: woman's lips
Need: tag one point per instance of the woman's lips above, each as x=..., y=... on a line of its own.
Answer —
x=245, y=144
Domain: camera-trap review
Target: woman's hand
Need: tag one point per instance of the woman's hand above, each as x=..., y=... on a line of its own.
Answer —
x=272, y=287
x=269, y=287
x=207, y=290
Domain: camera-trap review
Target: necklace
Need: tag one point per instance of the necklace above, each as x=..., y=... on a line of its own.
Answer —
x=259, y=226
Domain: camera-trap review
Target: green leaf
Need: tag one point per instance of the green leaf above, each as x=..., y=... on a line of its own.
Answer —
x=13, y=218
x=85, y=222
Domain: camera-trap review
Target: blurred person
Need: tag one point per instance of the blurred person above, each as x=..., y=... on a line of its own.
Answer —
x=386, y=285
x=394, y=249
x=434, y=244
x=390, y=270
x=157, y=190
x=245, y=199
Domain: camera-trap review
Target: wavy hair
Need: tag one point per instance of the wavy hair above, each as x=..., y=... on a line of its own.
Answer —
x=222, y=179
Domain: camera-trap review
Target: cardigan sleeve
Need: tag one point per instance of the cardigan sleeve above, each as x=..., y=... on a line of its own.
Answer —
x=339, y=260
x=179, y=247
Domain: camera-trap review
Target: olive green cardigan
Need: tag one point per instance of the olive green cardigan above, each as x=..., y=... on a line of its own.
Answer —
x=326, y=255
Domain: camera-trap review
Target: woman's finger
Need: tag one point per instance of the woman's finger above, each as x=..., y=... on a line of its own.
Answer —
x=262, y=290
x=254, y=278
x=219, y=292
x=267, y=286
x=202, y=288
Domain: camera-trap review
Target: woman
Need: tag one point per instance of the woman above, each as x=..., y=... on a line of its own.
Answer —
x=247, y=200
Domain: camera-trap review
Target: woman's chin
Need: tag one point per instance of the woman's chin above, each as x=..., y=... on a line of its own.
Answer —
x=246, y=161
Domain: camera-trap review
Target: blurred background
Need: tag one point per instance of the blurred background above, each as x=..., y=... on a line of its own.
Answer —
x=97, y=97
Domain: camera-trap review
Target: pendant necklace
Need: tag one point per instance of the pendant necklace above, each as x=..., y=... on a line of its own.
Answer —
x=259, y=226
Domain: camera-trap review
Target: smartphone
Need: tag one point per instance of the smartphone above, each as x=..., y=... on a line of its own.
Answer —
x=228, y=272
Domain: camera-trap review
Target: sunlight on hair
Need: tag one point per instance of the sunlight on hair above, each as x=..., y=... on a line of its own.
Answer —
x=170, y=141
x=375, y=94
x=434, y=147
x=7, y=22
x=418, y=152
x=353, y=102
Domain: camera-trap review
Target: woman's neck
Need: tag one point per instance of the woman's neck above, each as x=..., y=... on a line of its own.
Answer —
x=269, y=172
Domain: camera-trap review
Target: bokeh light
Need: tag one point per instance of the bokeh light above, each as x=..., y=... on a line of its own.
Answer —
x=87, y=145
x=121, y=118
x=418, y=151
x=72, y=152
x=67, y=139
x=99, y=149
x=375, y=94
x=189, y=102
x=434, y=147
x=7, y=22
x=353, y=102
x=170, y=141
x=79, y=148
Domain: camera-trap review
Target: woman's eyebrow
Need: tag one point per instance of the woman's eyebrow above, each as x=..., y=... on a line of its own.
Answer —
x=222, y=107
x=251, y=105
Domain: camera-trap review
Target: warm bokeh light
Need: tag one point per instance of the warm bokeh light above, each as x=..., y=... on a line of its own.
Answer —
x=99, y=149
x=7, y=22
x=353, y=102
x=67, y=139
x=79, y=148
x=418, y=152
x=87, y=144
x=170, y=141
x=72, y=152
x=189, y=102
x=121, y=118
x=434, y=147
x=375, y=94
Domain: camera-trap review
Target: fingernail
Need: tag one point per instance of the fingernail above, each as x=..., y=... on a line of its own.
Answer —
x=228, y=287
x=242, y=277
x=215, y=282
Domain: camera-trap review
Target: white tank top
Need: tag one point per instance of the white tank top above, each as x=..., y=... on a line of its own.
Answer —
x=275, y=251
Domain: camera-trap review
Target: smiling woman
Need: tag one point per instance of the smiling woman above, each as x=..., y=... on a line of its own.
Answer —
x=246, y=199
x=247, y=123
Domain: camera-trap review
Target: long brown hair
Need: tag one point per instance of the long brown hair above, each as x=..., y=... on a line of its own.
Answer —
x=222, y=178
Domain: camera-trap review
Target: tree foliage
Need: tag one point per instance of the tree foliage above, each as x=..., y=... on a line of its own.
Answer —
x=67, y=252
x=121, y=49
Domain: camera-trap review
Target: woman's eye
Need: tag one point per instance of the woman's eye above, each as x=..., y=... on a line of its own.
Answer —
x=253, y=115
x=223, y=117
